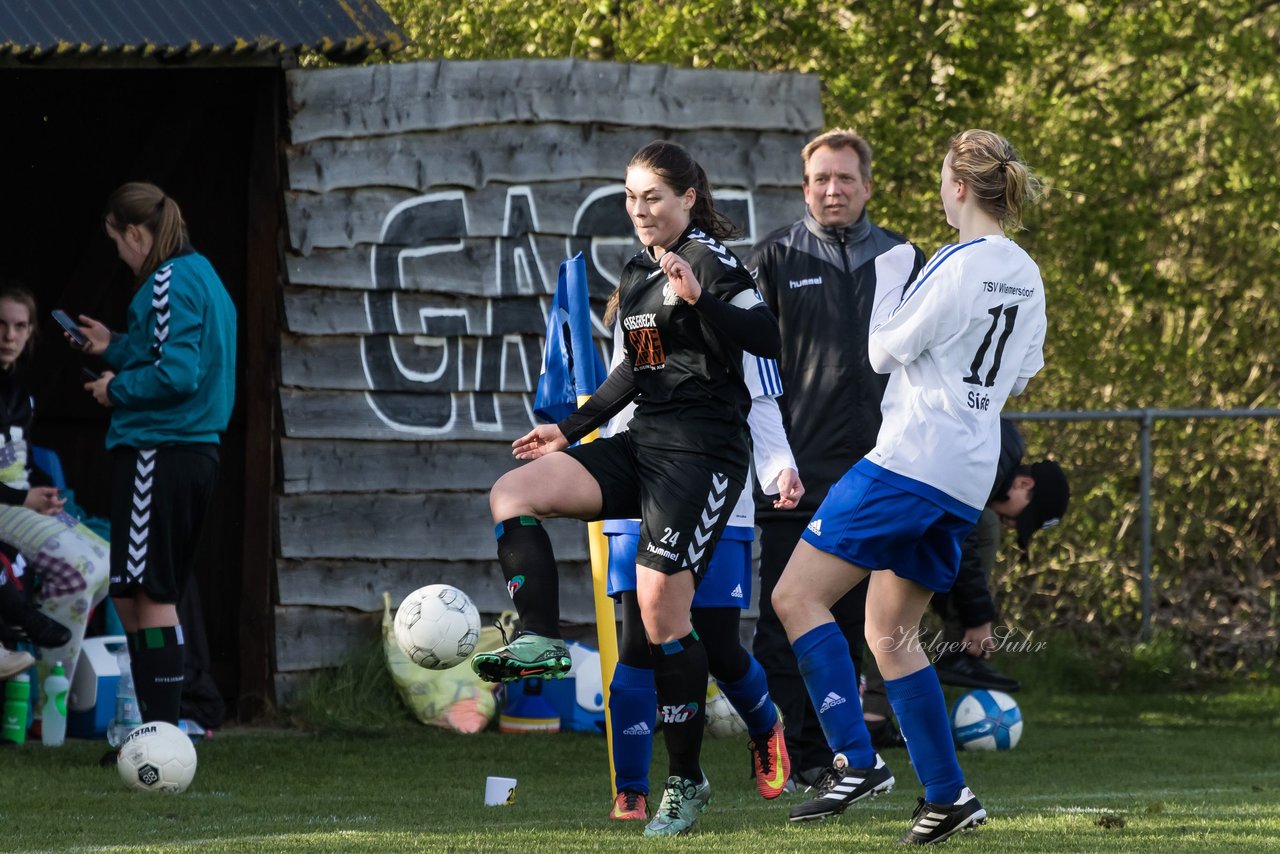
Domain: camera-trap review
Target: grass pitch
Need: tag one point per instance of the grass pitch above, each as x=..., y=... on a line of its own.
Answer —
x=1158, y=773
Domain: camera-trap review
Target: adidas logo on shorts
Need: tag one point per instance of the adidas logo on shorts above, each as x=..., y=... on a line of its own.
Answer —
x=831, y=701
x=737, y=592
x=816, y=526
x=641, y=728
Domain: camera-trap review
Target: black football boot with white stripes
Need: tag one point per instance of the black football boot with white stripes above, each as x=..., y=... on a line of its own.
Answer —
x=841, y=785
x=938, y=822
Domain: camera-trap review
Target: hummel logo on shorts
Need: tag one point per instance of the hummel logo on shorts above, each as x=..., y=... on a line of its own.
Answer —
x=641, y=728
x=816, y=526
x=831, y=701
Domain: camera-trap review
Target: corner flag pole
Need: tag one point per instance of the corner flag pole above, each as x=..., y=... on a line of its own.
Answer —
x=606, y=623
x=572, y=371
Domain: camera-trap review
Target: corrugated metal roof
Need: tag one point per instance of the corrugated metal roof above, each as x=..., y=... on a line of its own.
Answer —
x=189, y=29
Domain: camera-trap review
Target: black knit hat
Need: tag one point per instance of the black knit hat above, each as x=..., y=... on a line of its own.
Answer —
x=1048, y=501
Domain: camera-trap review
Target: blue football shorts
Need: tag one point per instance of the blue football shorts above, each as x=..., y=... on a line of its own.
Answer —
x=727, y=583
x=870, y=520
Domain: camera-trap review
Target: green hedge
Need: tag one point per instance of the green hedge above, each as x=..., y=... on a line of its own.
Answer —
x=1155, y=128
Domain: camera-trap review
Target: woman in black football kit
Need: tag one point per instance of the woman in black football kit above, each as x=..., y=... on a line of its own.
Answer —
x=688, y=309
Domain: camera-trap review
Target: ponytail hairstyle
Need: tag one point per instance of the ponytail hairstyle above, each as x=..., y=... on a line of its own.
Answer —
x=673, y=163
x=146, y=206
x=15, y=292
x=995, y=174
x=611, y=307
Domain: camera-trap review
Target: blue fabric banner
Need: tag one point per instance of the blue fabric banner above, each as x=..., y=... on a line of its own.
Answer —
x=571, y=363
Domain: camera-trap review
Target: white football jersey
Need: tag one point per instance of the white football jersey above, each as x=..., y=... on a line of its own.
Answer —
x=958, y=341
x=770, y=451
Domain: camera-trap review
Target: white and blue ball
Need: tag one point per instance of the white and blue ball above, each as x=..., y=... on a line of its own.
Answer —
x=986, y=720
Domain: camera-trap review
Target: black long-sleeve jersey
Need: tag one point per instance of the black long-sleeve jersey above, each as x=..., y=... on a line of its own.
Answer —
x=820, y=283
x=683, y=363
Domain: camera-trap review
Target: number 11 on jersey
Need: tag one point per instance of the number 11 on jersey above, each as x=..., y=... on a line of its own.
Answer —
x=1010, y=315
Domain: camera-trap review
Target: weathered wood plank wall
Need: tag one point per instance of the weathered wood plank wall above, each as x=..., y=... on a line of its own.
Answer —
x=429, y=206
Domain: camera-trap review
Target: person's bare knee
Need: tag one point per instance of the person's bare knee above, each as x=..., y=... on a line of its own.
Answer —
x=125, y=611
x=508, y=498
x=812, y=582
x=152, y=614
x=664, y=602
x=788, y=602
x=894, y=608
x=549, y=487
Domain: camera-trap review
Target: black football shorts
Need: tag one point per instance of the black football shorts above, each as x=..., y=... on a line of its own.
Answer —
x=683, y=500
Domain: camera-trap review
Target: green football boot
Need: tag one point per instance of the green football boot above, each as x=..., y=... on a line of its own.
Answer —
x=682, y=800
x=527, y=655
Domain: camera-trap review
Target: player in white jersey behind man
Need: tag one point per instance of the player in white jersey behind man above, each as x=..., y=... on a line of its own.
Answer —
x=716, y=610
x=957, y=342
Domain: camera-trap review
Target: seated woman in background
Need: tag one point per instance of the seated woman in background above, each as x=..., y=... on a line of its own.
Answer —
x=66, y=561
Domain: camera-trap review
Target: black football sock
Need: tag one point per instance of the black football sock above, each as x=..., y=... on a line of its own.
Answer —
x=528, y=564
x=680, y=675
x=156, y=659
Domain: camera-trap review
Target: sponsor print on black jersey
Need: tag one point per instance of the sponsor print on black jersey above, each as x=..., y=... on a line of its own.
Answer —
x=648, y=347
x=642, y=335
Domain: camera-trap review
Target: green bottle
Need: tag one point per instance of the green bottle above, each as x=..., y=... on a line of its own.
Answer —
x=17, y=694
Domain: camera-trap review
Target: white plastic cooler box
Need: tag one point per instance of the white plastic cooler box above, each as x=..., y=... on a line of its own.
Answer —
x=91, y=703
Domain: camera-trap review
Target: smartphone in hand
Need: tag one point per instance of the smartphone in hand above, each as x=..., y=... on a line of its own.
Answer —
x=73, y=329
x=91, y=374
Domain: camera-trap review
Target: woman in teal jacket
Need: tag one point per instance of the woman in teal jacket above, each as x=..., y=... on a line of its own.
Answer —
x=170, y=390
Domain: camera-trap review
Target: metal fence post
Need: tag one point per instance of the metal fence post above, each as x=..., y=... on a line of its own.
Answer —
x=1145, y=418
x=1144, y=489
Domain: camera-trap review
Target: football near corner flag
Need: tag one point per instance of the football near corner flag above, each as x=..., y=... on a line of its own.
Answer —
x=571, y=364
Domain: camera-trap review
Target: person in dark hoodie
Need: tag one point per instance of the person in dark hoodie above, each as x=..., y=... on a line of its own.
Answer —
x=1027, y=498
x=170, y=391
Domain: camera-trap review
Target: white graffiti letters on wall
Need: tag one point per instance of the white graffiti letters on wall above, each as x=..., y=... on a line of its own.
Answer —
x=456, y=319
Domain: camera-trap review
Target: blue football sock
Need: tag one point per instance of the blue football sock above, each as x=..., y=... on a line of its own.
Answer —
x=750, y=697
x=823, y=656
x=922, y=716
x=633, y=710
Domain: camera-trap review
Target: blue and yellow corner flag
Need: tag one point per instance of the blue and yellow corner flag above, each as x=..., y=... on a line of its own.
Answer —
x=571, y=364
x=571, y=371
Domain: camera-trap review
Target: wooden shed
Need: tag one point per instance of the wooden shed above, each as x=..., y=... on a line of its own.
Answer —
x=391, y=235
x=429, y=206
x=190, y=96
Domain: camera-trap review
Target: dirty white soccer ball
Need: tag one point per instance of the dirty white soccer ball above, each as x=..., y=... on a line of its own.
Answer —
x=437, y=626
x=157, y=757
x=723, y=720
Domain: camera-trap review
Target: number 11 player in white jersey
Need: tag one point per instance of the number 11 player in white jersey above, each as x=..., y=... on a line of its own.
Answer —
x=956, y=342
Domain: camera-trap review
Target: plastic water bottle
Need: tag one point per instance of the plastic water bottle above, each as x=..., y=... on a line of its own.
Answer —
x=127, y=714
x=17, y=692
x=53, y=714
